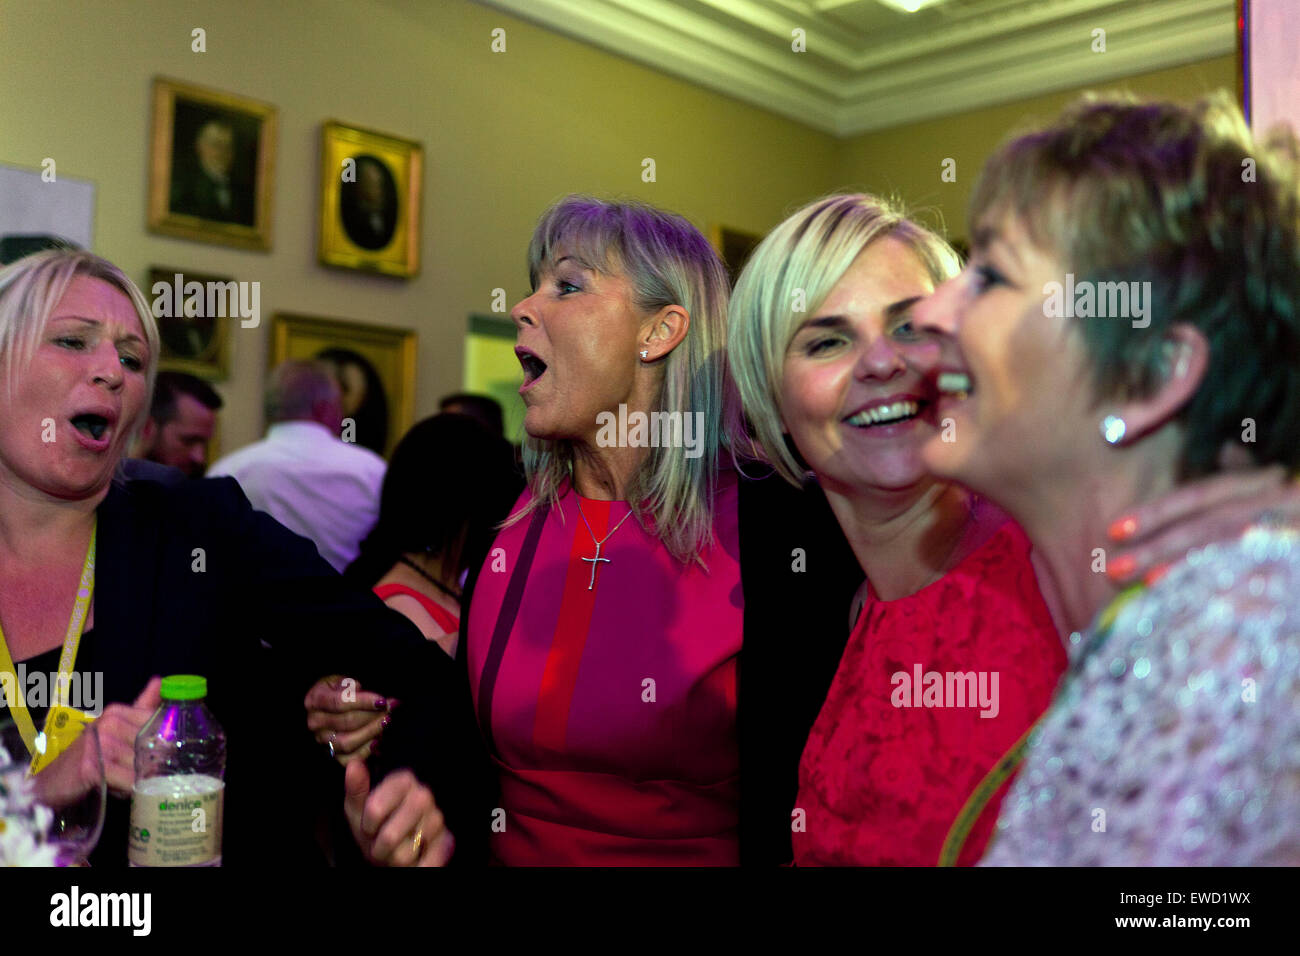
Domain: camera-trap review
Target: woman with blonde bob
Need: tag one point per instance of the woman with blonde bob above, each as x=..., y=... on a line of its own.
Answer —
x=114, y=581
x=953, y=654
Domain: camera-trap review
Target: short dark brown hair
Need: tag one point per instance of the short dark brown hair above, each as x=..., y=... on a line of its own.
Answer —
x=1182, y=197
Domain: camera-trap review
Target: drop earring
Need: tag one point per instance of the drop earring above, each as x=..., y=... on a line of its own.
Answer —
x=1112, y=429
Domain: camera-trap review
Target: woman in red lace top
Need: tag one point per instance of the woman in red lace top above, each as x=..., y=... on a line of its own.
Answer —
x=953, y=654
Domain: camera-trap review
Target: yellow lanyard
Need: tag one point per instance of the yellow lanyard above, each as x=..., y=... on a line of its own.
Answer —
x=62, y=724
x=1011, y=760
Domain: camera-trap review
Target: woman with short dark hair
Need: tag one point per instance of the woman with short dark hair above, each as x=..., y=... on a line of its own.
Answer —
x=1130, y=320
x=449, y=483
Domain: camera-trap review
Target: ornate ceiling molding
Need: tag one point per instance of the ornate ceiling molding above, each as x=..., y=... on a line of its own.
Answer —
x=867, y=67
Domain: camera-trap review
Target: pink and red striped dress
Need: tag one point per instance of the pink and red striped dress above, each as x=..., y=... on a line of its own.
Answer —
x=610, y=709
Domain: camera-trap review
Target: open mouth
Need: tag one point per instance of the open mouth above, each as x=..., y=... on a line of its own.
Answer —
x=888, y=413
x=534, y=368
x=91, y=425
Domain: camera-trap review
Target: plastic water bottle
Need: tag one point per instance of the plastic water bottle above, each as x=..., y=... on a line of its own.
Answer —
x=180, y=760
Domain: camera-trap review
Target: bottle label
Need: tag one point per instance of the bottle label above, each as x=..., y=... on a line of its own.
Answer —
x=176, y=820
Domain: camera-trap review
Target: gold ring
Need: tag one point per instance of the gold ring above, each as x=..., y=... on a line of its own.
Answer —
x=416, y=841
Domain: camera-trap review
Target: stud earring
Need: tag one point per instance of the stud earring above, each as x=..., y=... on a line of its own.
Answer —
x=1112, y=429
x=644, y=353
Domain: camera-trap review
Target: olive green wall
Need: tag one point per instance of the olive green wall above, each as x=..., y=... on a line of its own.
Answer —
x=908, y=161
x=505, y=134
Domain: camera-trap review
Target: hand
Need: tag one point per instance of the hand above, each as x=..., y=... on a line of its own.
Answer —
x=74, y=773
x=353, y=726
x=398, y=824
x=1161, y=532
x=118, y=726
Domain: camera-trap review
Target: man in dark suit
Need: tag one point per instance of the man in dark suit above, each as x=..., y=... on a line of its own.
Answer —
x=205, y=187
x=368, y=207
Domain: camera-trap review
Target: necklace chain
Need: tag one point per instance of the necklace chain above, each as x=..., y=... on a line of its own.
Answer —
x=592, y=533
x=597, y=560
x=429, y=577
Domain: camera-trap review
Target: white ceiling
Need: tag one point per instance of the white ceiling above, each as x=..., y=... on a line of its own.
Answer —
x=868, y=66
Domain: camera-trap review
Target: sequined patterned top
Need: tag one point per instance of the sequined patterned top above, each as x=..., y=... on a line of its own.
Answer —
x=1176, y=742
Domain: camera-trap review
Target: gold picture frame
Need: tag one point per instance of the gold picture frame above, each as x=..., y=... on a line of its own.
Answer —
x=368, y=359
x=191, y=340
x=369, y=213
x=212, y=165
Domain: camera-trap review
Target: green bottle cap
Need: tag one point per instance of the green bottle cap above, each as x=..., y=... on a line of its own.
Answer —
x=184, y=687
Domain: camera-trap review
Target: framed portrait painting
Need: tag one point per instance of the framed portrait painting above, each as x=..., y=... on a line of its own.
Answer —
x=369, y=210
x=193, y=327
x=211, y=165
x=374, y=366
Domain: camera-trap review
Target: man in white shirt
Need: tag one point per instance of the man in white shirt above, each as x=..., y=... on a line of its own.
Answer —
x=302, y=473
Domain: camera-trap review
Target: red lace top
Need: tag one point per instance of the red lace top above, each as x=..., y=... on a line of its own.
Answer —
x=931, y=691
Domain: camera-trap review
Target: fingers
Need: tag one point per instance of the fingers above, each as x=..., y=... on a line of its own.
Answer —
x=395, y=843
x=118, y=727
x=356, y=787
x=323, y=723
x=347, y=746
x=398, y=823
x=151, y=697
x=339, y=713
x=332, y=695
x=440, y=851
x=72, y=774
x=412, y=829
x=1197, y=496
x=1154, y=552
x=385, y=799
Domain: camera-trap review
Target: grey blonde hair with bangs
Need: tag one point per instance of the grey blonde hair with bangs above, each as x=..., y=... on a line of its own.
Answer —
x=799, y=263
x=667, y=262
x=32, y=287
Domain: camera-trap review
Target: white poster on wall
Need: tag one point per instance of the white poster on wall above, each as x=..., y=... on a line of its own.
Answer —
x=31, y=205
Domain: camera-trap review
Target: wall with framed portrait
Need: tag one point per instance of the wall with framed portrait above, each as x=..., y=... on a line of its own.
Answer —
x=212, y=165
x=193, y=337
x=369, y=212
x=374, y=365
x=500, y=142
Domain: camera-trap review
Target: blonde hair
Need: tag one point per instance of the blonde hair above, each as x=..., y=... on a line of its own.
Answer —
x=798, y=264
x=667, y=262
x=32, y=287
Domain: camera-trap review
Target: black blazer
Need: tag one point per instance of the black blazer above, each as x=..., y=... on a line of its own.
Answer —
x=190, y=579
x=796, y=626
x=799, y=576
